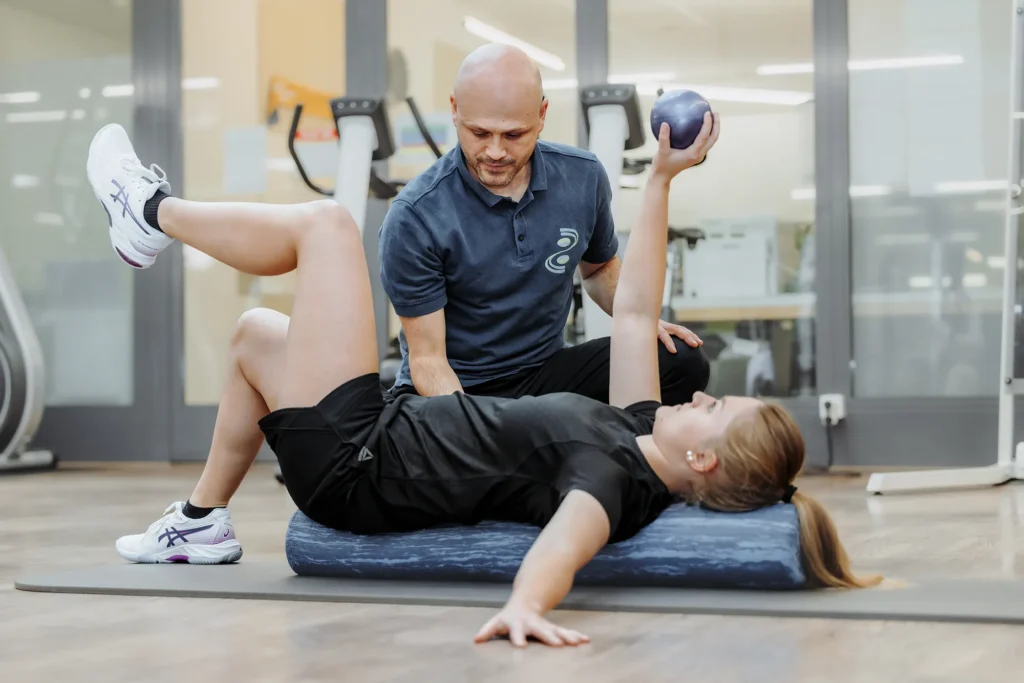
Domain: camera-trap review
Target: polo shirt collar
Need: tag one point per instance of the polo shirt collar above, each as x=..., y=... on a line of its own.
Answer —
x=538, y=176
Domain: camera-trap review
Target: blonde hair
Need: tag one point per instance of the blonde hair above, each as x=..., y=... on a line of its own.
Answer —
x=758, y=458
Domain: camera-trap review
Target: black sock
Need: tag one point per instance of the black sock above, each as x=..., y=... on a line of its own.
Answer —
x=149, y=211
x=192, y=512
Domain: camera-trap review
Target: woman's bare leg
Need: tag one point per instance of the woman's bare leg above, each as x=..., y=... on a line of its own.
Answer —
x=330, y=339
x=251, y=391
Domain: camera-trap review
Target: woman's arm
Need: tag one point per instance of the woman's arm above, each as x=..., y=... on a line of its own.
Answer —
x=577, y=531
x=634, y=374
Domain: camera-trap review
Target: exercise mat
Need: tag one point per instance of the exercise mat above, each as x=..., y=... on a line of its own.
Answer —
x=956, y=600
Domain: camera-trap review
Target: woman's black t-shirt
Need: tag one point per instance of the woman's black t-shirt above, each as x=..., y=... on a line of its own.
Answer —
x=464, y=459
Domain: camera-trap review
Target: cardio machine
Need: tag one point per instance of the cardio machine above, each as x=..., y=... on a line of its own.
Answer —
x=22, y=382
x=614, y=124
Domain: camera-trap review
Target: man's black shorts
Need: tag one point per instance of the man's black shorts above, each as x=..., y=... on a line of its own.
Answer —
x=316, y=445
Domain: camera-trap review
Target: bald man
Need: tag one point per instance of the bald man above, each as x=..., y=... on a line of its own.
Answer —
x=478, y=253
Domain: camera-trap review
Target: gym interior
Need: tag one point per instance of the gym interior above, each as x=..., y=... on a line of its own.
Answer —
x=846, y=252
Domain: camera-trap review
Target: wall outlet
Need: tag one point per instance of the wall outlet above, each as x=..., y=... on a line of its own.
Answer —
x=832, y=406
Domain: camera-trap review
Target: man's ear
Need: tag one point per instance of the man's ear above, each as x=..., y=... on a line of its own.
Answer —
x=455, y=106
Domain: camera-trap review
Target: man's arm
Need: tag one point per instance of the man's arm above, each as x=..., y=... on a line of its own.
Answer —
x=432, y=375
x=634, y=374
x=577, y=531
x=412, y=272
x=600, y=281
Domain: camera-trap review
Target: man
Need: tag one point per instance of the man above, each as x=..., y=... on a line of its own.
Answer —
x=478, y=253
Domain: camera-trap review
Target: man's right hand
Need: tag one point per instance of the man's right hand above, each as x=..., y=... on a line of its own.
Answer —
x=432, y=375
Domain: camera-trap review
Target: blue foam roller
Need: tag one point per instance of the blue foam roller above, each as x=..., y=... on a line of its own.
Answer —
x=686, y=547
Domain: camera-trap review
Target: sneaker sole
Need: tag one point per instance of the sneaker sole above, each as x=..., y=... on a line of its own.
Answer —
x=222, y=553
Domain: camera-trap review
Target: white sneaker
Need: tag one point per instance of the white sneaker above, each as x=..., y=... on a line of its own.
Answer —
x=123, y=185
x=177, y=538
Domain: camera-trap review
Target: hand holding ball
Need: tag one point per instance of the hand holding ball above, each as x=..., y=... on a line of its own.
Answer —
x=683, y=111
x=686, y=130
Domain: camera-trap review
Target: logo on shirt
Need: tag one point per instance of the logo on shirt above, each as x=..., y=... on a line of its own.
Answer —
x=556, y=262
x=364, y=455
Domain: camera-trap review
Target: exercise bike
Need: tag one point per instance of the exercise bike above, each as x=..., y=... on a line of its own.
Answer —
x=22, y=382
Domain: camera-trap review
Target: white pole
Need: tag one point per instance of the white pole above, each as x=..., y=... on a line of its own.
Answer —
x=1012, y=246
x=351, y=187
x=608, y=133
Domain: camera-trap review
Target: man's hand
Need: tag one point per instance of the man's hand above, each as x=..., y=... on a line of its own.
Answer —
x=519, y=622
x=667, y=330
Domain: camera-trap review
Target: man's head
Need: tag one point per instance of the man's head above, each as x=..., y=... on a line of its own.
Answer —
x=498, y=108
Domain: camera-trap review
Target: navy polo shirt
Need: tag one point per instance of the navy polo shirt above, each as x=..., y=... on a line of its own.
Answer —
x=501, y=270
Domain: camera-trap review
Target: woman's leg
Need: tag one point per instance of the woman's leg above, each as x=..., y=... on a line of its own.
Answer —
x=251, y=391
x=332, y=335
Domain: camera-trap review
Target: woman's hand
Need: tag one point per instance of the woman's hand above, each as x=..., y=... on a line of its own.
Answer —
x=519, y=622
x=669, y=162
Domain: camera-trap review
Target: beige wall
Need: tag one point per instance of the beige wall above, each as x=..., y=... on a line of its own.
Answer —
x=268, y=38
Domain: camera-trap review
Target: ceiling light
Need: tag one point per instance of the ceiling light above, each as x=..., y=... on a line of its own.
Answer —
x=865, y=64
x=202, y=83
x=805, y=193
x=23, y=181
x=730, y=94
x=126, y=90
x=49, y=219
x=488, y=32
x=18, y=97
x=970, y=186
x=36, y=116
x=655, y=77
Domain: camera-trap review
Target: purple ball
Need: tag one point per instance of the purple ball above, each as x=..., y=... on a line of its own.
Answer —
x=683, y=110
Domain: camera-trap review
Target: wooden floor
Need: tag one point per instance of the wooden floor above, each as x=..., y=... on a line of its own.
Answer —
x=70, y=518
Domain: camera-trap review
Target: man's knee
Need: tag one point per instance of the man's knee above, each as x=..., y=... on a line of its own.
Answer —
x=684, y=372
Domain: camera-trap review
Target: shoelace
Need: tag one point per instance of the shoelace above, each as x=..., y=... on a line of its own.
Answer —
x=154, y=173
x=168, y=512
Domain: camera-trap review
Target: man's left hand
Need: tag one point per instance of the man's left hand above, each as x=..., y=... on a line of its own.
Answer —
x=667, y=330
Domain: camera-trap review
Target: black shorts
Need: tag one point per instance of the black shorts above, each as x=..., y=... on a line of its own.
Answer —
x=316, y=445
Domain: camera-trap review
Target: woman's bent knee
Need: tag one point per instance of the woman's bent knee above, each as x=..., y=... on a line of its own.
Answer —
x=260, y=327
x=329, y=214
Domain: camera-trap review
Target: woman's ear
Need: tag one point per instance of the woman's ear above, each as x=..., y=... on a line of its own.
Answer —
x=703, y=461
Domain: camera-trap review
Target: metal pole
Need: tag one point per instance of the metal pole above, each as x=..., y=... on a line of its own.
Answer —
x=1009, y=385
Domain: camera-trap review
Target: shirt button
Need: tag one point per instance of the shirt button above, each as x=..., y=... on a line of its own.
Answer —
x=521, y=238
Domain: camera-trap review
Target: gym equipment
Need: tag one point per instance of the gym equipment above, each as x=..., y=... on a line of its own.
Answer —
x=683, y=111
x=956, y=600
x=362, y=116
x=612, y=119
x=22, y=382
x=686, y=546
x=1009, y=463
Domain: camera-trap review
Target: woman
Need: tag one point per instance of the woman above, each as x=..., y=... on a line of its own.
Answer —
x=354, y=458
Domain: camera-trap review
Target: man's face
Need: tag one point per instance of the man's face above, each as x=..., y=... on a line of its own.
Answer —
x=498, y=130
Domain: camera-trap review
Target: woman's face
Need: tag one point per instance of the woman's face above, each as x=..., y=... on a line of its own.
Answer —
x=687, y=427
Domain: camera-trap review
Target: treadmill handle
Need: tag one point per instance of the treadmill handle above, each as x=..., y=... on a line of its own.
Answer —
x=423, y=127
x=295, y=157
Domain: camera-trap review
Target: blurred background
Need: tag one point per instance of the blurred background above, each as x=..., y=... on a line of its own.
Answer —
x=848, y=232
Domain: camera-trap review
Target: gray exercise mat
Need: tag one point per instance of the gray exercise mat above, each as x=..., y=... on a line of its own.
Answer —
x=981, y=601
